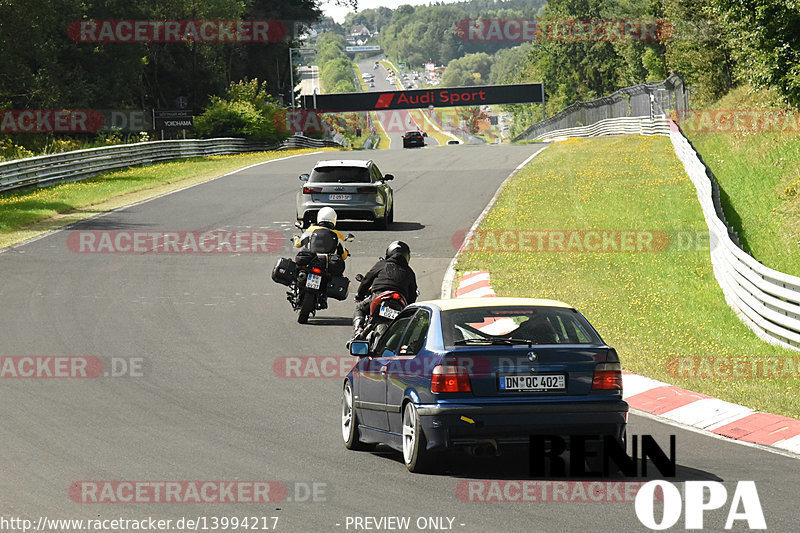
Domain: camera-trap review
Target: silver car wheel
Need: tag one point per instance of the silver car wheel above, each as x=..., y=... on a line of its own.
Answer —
x=409, y=432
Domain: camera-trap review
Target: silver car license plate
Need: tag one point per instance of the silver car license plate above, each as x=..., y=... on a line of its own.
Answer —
x=340, y=197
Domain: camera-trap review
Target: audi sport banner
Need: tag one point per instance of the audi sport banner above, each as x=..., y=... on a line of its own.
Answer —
x=416, y=98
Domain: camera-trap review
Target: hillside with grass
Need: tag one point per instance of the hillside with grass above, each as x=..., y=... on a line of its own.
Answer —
x=656, y=304
x=758, y=170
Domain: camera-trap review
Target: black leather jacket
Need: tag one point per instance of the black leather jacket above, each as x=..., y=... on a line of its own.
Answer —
x=392, y=274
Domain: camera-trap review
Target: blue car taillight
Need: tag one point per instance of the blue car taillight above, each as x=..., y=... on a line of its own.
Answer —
x=450, y=378
x=607, y=376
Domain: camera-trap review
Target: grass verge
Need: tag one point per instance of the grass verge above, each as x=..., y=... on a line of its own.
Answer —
x=382, y=138
x=26, y=214
x=657, y=308
x=759, y=177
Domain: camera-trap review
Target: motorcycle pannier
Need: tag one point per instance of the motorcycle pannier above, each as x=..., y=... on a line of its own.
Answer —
x=285, y=271
x=338, y=287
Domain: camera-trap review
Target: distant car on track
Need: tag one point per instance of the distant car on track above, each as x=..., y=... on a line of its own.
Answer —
x=413, y=138
x=478, y=374
x=356, y=189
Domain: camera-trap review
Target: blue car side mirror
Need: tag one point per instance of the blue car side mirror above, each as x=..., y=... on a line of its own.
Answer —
x=359, y=348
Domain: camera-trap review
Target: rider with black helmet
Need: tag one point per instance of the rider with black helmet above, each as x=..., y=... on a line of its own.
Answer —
x=391, y=273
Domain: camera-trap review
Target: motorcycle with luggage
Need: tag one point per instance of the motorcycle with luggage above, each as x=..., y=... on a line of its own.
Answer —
x=312, y=278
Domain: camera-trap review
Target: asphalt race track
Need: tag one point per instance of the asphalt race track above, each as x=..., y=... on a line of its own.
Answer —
x=398, y=121
x=209, y=406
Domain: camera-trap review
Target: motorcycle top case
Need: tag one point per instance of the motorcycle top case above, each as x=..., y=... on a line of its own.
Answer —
x=338, y=287
x=285, y=271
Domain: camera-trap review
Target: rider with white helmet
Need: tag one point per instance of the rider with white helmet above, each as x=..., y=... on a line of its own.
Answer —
x=322, y=238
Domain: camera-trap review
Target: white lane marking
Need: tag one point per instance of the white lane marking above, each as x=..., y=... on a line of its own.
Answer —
x=450, y=273
x=49, y=233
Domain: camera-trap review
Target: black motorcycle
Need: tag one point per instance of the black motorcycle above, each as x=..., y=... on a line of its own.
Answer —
x=311, y=282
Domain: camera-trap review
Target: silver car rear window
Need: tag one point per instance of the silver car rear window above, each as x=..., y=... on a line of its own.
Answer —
x=339, y=175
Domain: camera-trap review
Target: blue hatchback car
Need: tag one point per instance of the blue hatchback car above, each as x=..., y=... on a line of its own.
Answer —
x=479, y=373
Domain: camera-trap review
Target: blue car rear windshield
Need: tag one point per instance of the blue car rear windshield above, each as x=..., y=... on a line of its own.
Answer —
x=339, y=175
x=497, y=325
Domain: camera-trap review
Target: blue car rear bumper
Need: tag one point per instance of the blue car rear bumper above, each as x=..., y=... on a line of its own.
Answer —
x=446, y=426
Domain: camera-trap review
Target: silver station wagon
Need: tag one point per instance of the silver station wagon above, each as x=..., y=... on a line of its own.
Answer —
x=356, y=189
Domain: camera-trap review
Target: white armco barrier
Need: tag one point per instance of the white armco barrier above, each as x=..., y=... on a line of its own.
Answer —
x=80, y=164
x=766, y=300
x=612, y=126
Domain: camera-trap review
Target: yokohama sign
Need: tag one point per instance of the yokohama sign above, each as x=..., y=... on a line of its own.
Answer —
x=414, y=99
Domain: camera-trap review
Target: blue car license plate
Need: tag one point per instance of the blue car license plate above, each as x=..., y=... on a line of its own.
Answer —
x=535, y=382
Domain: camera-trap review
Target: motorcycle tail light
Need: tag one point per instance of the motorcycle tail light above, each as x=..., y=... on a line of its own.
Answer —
x=316, y=270
x=396, y=296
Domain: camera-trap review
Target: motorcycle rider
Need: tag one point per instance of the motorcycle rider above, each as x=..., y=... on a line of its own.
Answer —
x=391, y=273
x=322, y=238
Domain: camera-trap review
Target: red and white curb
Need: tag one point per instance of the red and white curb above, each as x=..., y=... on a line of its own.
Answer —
x=680, y=405
x=474, y=285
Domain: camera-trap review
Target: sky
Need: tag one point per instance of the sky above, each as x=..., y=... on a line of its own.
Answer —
x=329, y=8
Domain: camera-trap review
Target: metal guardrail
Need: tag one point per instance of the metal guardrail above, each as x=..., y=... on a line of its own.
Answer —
x=767, y=300
x=643, y=100
x=80, y=164
x=299, y=141
x=612, y=126
x=371, y=141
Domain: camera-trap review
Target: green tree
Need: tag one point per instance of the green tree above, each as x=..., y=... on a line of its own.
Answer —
x=699, y=49
x=472, y=69
x=765, y=41
x=246, y=110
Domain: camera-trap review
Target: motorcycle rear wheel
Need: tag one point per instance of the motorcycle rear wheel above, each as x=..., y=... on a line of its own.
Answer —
x=309, y=301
